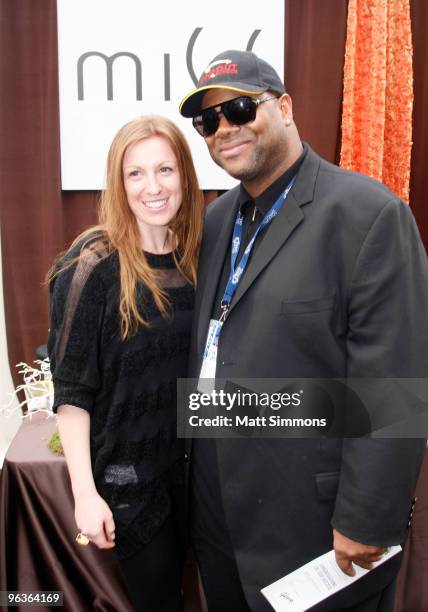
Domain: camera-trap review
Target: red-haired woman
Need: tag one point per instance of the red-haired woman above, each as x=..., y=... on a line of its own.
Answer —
x=121, y=307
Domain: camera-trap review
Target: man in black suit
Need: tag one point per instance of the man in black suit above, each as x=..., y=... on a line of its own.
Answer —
x=329, y=281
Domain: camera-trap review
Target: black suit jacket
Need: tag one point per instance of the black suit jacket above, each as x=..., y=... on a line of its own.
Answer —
x=337, y=288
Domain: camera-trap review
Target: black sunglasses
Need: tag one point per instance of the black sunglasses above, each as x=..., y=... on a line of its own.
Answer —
x=237, y=111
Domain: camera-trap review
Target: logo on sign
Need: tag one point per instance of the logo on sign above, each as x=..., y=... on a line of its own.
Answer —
x=136, y=65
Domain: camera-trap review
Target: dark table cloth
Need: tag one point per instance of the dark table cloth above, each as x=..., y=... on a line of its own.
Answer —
x=37, y=529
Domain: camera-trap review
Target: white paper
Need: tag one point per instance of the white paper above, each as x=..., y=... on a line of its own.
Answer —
x=314, y=582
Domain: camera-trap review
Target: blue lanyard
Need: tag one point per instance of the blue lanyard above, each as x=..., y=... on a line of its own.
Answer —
x=237, y=272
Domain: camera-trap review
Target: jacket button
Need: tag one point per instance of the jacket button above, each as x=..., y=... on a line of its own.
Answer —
x=186, y=456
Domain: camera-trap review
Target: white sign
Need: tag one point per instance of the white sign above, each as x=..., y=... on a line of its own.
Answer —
x=120, y=60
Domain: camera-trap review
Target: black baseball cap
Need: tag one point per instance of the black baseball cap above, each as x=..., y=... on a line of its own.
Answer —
x=240, y=71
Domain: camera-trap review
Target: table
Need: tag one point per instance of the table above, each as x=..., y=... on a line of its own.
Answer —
x=37, y=529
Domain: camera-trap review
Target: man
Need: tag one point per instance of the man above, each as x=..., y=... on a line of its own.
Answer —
x=334, y=286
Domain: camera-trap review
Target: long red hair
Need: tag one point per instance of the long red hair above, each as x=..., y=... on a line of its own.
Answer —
x=118, y=227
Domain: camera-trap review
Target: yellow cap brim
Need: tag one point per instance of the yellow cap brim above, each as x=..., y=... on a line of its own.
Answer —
x=190, y=105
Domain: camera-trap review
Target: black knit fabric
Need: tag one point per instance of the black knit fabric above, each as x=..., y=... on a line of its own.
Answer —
x=128, y=387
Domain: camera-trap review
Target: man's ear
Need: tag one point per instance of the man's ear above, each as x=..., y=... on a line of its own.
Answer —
x=286, y=108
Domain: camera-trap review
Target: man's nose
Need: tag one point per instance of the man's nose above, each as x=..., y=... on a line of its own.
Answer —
x=225, y=126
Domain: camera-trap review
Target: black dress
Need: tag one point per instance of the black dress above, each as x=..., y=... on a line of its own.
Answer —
x=128, y=387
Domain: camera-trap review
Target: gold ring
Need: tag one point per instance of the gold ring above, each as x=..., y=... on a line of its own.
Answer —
x=82, y=539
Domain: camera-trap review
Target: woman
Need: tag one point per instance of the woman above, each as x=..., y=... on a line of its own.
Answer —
x=121, y=304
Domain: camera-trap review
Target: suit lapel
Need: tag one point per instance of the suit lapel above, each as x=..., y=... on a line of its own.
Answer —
x=287, y=220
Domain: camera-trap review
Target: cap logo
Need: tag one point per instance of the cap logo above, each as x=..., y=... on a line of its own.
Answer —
x=218, y=68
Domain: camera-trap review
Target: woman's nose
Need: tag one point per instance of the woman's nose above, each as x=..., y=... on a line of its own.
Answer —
x=152, y=185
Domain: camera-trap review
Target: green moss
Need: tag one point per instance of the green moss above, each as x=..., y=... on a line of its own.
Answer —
x=55, y=444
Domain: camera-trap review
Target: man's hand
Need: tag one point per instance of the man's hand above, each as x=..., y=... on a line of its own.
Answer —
x=349, y=551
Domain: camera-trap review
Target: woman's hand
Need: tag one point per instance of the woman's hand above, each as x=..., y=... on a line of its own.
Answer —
x=95, y=519
x=93, y=516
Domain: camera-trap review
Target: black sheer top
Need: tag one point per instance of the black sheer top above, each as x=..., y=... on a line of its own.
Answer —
x=128, y=387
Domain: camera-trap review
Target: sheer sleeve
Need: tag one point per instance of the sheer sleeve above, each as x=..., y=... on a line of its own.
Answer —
x=77, y=308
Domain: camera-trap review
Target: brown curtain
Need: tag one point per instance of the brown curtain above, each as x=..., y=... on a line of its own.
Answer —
x=38, y=219
x=315, y=35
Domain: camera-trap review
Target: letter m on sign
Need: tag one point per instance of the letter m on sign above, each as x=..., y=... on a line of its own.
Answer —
x=109, y=66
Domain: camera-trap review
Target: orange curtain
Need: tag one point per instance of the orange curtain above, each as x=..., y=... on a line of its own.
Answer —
x=378, y=92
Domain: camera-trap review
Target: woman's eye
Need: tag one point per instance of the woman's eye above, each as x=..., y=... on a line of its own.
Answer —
x=134, y=173
x=166, y=169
